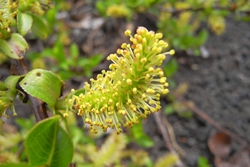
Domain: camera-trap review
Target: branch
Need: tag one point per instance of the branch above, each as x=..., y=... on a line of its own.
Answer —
x=19, y=67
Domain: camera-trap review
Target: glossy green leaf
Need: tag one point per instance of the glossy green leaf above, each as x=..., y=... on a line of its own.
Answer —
x=48, y=144
x=39, y=27
x=15, y=47
x=43, y=85
x=24, y=23
x=15, y=165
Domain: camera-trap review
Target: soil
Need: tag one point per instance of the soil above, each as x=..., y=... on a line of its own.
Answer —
x=219, y=85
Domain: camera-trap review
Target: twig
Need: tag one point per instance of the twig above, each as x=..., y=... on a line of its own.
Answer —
x=172, y=136
x=19, y=67
x=164, y=132
x=166, y=136
x=20, y=150
x=90, y=39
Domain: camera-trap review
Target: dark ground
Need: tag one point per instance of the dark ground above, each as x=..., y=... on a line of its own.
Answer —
x=219, y=85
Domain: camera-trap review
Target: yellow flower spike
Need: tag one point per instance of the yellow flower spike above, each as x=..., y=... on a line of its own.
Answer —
x=130, y=90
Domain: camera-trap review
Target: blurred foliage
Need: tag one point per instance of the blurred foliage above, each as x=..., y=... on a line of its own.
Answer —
x=120, y=8
x=63, y=57
x=65, y=61
x=184, y=24
x=115, y=150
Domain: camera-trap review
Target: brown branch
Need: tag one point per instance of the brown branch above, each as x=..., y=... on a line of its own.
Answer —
x=19, y=67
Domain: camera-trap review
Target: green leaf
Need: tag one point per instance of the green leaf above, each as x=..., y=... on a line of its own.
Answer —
x=39, y=27
x=15, y=47
x=202, y=37
x=24, y=23
x=15, y=165
x=140, y=137
x=48, y=144
x=65, y=74
x=144, y=141
x=58, y=52
x=12, y=81
x=203, y=162
x=43, y=85
x=171, y=67
x=3, y=86
x=169, y=109
x=185, y=114
x=24, y=123
x=74, y=51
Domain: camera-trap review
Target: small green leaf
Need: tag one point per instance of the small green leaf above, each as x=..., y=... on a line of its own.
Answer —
x=74, y=51
x=43, y=85
x=15, y=47
x=144, y=141
x=202, y=37
x=203, y=162
x=171, y=67
x=12, y=81
x=24, y=123
x=185, y=114
x=169, y=109
x=39, y=27
x=24, y=22
x=140, y=137
x=48, y=144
